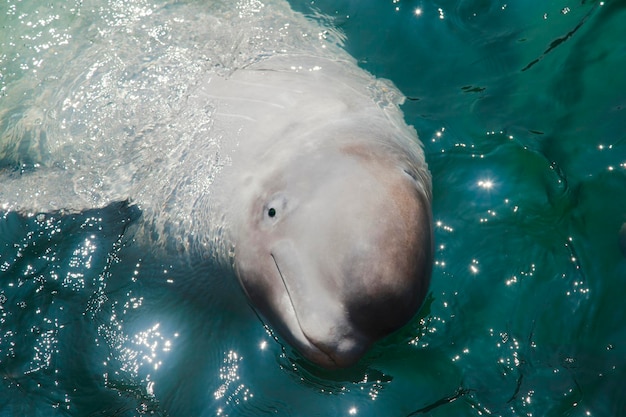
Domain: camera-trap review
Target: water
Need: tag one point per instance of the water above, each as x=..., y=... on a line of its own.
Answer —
x=520, y=106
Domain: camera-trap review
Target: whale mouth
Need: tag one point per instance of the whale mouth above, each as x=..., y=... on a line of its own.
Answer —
x=295, y=332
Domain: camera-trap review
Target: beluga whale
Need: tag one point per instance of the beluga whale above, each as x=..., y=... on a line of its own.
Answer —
x=245, y=134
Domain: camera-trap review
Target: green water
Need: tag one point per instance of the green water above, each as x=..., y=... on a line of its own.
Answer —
x=521, y=108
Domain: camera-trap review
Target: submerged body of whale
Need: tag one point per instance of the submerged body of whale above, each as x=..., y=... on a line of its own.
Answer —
x=246, y=135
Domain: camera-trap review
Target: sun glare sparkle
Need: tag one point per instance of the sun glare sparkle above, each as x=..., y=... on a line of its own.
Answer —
x=474, y=266
x=486, y=184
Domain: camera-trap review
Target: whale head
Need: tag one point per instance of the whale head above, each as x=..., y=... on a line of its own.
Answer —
x=335, y=248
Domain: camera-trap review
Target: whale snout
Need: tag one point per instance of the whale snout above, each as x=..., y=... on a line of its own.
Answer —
x=317, y=321
x=357, y=281
x=339, y=258
x=338, y=323
x=336, y=352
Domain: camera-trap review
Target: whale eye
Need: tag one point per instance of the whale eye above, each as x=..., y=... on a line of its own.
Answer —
x=276, y=208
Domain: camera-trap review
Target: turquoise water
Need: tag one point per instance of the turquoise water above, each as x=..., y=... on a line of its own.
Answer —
x=520, y=107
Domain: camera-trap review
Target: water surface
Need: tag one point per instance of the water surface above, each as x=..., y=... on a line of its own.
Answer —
x=520, y=106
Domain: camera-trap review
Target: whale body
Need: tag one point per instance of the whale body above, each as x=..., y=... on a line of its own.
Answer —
x=246, y=134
